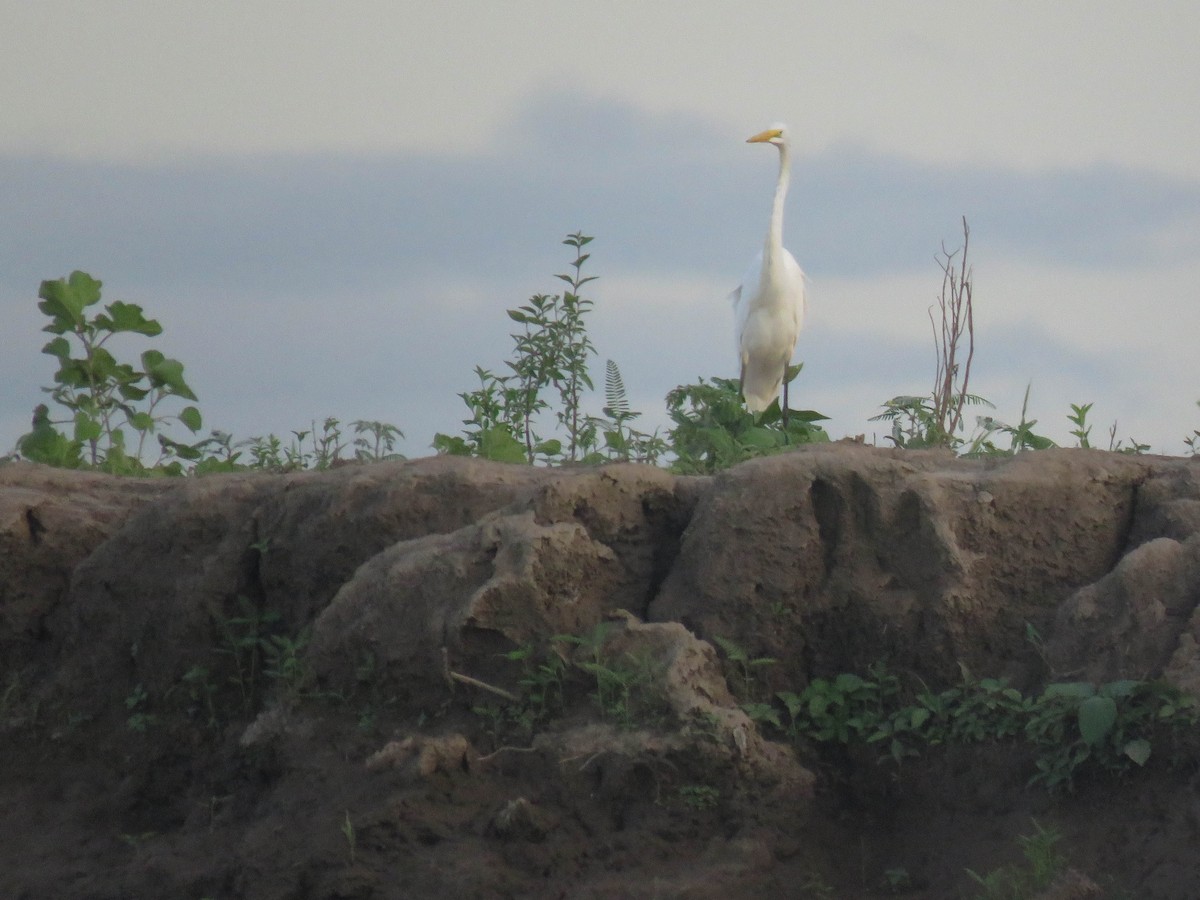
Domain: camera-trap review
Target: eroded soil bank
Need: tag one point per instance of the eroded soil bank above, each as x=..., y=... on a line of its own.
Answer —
x=451, y=678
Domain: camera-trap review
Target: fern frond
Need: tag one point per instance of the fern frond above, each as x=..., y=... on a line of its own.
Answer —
x=616, y=400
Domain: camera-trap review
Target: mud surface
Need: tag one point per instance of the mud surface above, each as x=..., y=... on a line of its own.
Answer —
x=346, y=684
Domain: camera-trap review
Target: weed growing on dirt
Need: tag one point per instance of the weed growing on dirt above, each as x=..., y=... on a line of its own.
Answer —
x=111, y=409
x=1043, y=863
x=840, y=710
x=258, y=654
x=541, y=695
x=814, y=887
x=550, y=357
x=550, y=352
x=139, y=720
x=286, y=666
x=321, y=448
x=201, y=692
x=624, y=686
x=621, y=440
x=242, y=642
x=750, y=687
x=699, y=796
x=713, y=430
x=351, y=837
x=896, y=880
x=541, y=388
x=626, y=689
x=102, y=396
x=1075, y=727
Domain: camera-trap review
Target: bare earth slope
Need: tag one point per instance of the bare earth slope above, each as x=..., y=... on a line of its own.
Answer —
x=316, y=685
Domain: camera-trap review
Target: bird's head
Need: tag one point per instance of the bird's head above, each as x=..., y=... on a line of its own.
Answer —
x=776, y=134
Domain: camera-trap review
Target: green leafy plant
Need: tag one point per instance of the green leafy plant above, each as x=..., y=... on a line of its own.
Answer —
x=845, y=708
x=139, y=720
x=285, y=665
x=713, y=429
x=700, y=796
x=541, y=695
x=573, y=349
x=1043, y=863
x=550, y=352
x=621, y=440
x=1073, y=726
x=375, y=441
x=1192, y=441
x=197, y=684
x=243, y=640
x=327, y=446
x=1109, y=726
x=351, y=837
x=625, y=683
x=1022, y=434
x=896, y=880
x=1082, y=430
x=102, y=396
x=915, y=424
x=746, y=668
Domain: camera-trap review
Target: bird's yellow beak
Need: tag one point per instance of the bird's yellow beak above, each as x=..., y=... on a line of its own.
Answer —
x=763, y=136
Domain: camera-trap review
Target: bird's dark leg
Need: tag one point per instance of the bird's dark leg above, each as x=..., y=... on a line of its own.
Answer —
x=785, y=404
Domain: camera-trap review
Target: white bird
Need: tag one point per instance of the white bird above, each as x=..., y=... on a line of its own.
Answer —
x=769, y=304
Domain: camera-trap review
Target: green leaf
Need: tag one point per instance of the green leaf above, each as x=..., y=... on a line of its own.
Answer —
x=805, y=415
x=132, y=391
x=452, y=445
x=760, y=438
x=792, y=701
x=45, y=444
x=498, y=443
x=127, y=317
x=1138, y=750
x=59, y=347
x=166, y=374
x=1097, y=715
x=192, y=452
x=104, y=365
x=847, y=682
x=142, y=421
x=190, y=417
x=65, y=299
x=87, y=428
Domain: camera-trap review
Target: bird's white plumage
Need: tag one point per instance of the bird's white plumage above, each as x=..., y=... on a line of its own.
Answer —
x=769, y=304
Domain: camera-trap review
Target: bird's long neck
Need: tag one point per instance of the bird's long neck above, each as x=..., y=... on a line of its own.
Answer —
x=774, y=249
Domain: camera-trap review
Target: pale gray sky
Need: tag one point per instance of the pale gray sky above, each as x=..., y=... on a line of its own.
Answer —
x=329, y=206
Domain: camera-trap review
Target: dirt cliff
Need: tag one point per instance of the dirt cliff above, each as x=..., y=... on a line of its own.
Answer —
x=454, y=678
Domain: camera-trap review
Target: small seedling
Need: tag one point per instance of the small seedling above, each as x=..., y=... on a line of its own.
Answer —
x=897, y=880
x=750, y=688
x=139, y=720
x=1043, y=863
x=351, y=837
x=700, y=796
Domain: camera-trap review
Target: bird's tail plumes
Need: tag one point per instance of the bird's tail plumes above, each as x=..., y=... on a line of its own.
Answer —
x=760, y=383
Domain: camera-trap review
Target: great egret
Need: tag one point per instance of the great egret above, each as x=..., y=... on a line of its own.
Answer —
x=769, y=304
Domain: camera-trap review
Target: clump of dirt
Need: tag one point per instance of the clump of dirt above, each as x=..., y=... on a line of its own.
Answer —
x=454, y=678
